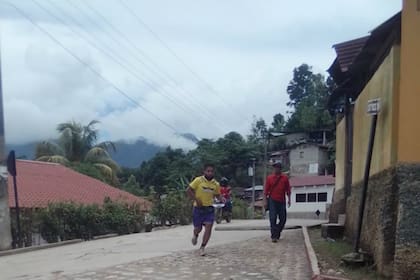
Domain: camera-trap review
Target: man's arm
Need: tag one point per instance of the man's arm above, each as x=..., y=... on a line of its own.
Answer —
x=267, y=191
x=288, y=192
x=191, y=195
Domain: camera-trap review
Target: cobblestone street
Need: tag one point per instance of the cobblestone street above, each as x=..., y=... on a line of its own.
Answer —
x=256, y=258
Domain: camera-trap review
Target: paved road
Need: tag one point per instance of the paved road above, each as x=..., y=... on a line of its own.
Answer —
x=166, y=254
x=256, y=258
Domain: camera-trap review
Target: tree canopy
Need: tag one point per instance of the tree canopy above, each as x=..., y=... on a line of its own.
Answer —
x=77, y=145
x=308, y=93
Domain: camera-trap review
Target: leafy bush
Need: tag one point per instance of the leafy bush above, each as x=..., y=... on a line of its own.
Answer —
x=65, y=221
x=173, y=208
x=240, y=209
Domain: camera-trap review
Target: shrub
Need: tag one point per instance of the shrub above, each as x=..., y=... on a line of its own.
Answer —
x=65, y=221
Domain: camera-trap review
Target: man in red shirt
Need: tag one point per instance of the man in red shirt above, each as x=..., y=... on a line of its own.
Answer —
x=275, y=190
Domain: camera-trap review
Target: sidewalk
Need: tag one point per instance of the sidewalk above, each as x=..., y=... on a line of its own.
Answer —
x=265, y=224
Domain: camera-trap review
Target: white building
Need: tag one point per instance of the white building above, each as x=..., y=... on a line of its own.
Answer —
x=311, y=194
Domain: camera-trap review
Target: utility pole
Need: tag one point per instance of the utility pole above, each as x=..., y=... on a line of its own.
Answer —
x=5, y=232
x=251, y=173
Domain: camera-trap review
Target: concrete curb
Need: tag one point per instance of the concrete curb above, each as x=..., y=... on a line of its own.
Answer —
x=313, y=260
x=236, y=228
x=36, y=248
x=105, y=236
x=310, y=253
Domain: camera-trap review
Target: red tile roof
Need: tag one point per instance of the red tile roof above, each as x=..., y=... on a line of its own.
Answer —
x=40, y=183
x=302, y=181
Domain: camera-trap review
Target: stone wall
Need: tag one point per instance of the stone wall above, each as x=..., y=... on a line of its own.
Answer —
x=391, y=222
x=379, y=220
x=407, y=249
x=5, y=233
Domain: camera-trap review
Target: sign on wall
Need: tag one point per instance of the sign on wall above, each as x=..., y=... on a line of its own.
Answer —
x=374, y=106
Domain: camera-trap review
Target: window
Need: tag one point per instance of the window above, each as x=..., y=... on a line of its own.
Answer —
x=311, y=197
x=301, y=197
x=301, y=155
x=322, y=197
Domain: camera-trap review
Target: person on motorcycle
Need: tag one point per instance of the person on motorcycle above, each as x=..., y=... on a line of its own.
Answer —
x=226, y=192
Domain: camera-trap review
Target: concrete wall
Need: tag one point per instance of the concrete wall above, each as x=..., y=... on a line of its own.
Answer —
x=303, y=155
x=380, y=86
x=338, y=204
x=409, y=95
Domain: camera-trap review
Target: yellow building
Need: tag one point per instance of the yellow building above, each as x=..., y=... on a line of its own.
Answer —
x=384, y=66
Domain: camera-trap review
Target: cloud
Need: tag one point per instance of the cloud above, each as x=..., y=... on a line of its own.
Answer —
x=244, y=51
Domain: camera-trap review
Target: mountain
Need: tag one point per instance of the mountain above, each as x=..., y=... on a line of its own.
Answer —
x=133, y=154
x=23, y=151
x=127, y=154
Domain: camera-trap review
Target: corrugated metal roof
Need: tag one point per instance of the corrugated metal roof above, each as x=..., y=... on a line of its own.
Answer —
x=348, y=51
x=357, y=60
x=41, y=183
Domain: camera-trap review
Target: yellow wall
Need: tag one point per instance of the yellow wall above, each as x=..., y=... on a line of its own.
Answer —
x=339, y=154
x=409, y=101
x=383, y=86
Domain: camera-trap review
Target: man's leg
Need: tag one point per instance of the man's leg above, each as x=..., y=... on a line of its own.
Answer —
x=207, y=234
x=198, y=225
x=282, y=216
x=208, y=221
x=273, y=220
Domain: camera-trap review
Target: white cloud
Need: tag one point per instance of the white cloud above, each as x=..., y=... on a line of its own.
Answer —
x=246, y=50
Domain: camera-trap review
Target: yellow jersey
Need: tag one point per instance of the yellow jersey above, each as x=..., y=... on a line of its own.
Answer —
x=205, y=190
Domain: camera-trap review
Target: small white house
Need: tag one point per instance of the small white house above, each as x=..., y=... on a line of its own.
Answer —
x=311, y=195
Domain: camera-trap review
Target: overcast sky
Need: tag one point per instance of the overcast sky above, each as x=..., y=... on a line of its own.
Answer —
x=227, y=62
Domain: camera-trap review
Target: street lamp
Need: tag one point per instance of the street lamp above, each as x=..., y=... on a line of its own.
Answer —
x=251, y=173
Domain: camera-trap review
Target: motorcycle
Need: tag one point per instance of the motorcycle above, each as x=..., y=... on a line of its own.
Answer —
x=223, y=211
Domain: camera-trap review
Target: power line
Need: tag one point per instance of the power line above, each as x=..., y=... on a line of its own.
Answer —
x=130, y=43
x=111, y=56
x=117, y=89
x=169, y=49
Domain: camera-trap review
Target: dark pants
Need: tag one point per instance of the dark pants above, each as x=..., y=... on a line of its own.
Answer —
x=277, y=209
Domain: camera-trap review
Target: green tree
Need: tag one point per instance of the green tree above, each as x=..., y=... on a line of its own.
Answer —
x=258, y=129
x=308, y=94
x=132, y=186
x=278, y=123
x=78, y=144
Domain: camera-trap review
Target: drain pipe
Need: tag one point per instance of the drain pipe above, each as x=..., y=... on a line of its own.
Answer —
x=373, y=109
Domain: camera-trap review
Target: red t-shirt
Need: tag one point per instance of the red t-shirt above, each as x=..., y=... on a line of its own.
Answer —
x=225, y=192
x=277, y=192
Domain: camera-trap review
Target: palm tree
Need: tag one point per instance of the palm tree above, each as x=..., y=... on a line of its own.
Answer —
x=78, y=144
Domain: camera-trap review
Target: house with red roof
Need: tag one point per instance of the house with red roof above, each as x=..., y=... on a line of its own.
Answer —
x=40, y=183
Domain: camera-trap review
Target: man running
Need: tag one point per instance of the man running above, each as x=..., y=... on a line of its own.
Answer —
x=202, y=191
